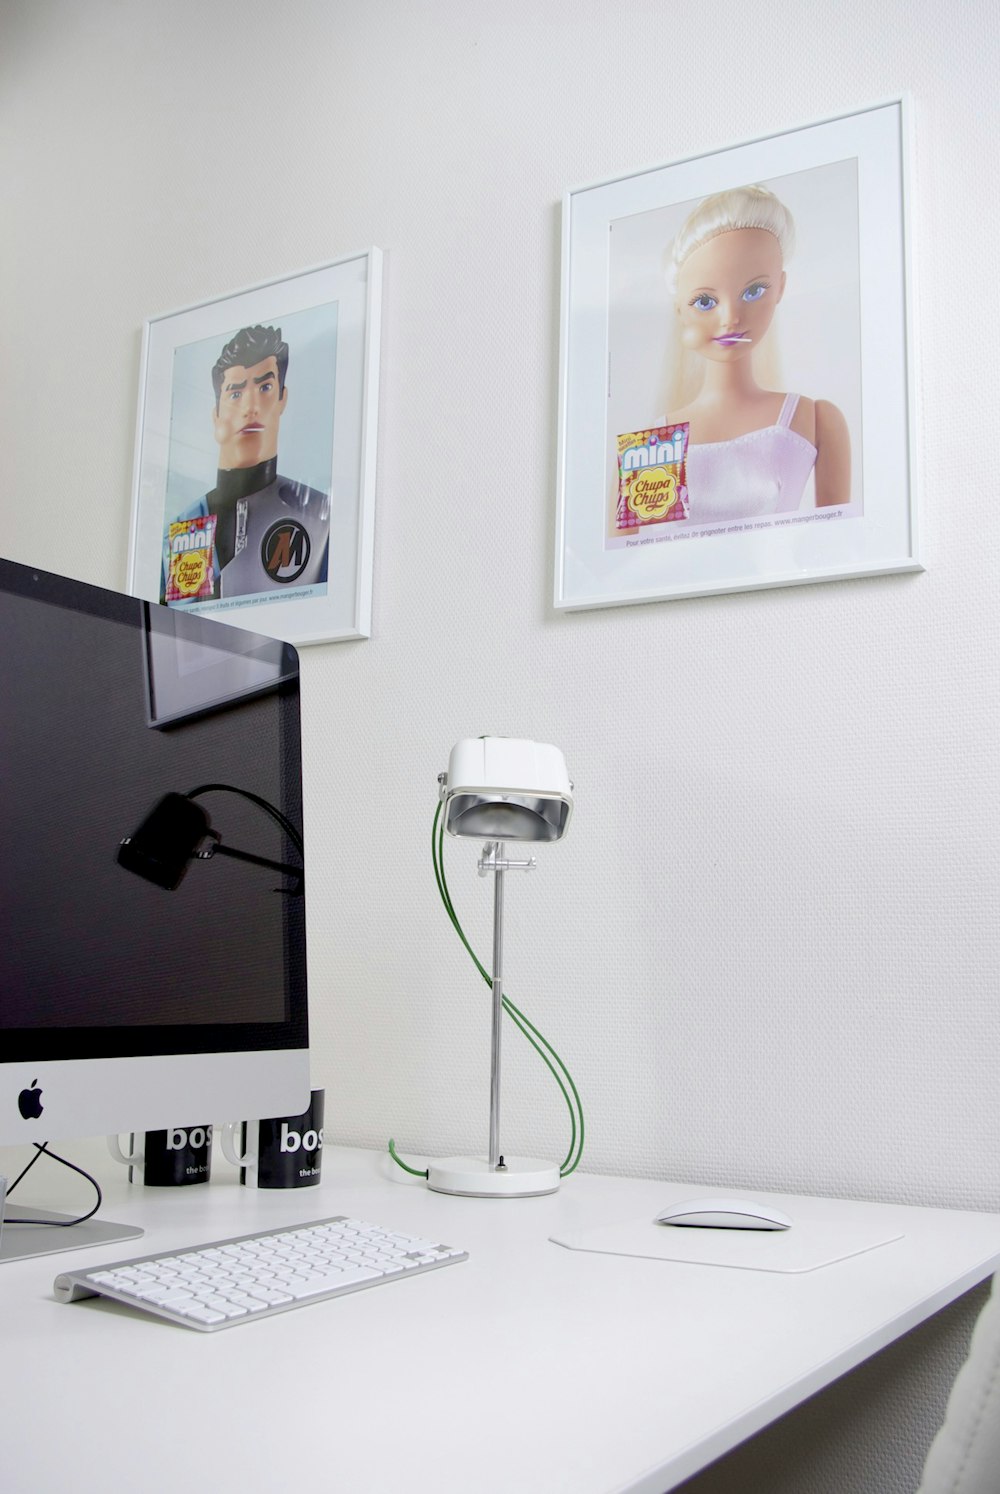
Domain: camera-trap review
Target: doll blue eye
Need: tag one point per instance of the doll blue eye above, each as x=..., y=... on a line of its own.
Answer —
x=754, y=292
x=704, y=302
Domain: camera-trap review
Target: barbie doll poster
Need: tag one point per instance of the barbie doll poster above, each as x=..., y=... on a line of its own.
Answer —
x=738, y=317
x=735, y=420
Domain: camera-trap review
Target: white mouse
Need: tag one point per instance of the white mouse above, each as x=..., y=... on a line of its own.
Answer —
x=724, y=1213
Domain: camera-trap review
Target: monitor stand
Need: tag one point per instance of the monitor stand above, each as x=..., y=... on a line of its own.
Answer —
x=17, y=1241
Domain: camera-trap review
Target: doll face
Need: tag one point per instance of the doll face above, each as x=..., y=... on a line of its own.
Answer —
x=727, y=291
x=246, y=422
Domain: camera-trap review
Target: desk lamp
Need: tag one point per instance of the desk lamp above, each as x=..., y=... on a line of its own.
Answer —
x=498, y=789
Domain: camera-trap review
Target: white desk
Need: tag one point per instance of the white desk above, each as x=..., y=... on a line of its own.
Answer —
x=528, y=1369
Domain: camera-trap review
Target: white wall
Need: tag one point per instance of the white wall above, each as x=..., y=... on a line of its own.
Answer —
x=768, y=947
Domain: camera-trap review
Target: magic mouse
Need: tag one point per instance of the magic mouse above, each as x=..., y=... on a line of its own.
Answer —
x=724, y=1213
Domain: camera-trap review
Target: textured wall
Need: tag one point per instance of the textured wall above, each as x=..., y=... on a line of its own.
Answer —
x=768, y=947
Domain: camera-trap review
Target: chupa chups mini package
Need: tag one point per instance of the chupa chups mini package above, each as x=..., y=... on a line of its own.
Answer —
x=191, y=543
x=652, y=477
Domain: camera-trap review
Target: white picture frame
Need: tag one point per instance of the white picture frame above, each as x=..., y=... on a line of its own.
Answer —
x=847, y=304
x=329, y=320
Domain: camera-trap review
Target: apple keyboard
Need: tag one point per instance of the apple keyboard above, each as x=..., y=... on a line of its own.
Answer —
x=254, y=1276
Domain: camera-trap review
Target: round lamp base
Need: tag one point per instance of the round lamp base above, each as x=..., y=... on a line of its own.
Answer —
x=473, y=1177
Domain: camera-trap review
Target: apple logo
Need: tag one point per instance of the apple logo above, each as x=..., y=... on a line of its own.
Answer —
x=29, y=1102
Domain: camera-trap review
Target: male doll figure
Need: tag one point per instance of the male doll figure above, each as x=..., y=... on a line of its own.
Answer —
x=271, y=532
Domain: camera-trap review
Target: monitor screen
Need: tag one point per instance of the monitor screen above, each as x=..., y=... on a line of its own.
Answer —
x=152, y=914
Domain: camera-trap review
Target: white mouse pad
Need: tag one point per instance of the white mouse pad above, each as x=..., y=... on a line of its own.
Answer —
x=809, y=1244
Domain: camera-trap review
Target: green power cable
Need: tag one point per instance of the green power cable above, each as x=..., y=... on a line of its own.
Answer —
x=417, y=1172
x=526, y=1028
x=518, y=1017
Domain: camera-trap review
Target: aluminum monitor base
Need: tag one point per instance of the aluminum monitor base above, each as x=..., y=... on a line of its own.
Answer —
x=18, y=1241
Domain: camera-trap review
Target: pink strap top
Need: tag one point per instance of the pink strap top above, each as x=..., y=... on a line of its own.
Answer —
x=763, y=472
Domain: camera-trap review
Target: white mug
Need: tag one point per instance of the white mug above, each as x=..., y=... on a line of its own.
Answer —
x=167, y=1159
x=283, y=1152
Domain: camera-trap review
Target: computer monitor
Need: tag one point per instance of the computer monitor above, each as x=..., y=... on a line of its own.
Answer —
x=152, y=916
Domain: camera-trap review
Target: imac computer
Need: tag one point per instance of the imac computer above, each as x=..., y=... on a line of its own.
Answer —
x=152, y=917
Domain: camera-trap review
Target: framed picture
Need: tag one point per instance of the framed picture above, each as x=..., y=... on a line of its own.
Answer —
x=254, y=482
x=735, y=383
x=192, y=669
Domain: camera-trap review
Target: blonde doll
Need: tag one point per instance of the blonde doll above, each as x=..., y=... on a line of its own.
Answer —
x=751, y=448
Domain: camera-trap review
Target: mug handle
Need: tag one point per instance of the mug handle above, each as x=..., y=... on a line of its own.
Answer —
x=227, y=1140
x=114, y=1147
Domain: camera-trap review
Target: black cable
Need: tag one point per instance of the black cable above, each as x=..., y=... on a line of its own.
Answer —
x=274, y=814
x=42, y=1148
x=268, y=808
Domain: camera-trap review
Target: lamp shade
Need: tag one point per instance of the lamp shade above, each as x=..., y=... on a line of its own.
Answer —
x=506, y=788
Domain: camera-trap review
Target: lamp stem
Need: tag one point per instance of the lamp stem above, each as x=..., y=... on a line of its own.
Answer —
x=496, y=1176
x=495, y=1159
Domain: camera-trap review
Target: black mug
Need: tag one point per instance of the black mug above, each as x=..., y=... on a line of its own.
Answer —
x=283, y=1152
x=173, y=1158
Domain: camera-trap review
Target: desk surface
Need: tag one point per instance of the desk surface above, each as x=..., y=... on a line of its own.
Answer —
x=528, y=1369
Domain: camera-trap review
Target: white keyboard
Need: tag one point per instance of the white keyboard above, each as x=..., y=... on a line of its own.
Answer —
x=253, y=1276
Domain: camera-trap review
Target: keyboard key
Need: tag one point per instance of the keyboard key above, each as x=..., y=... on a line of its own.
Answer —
x=200, y=1314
